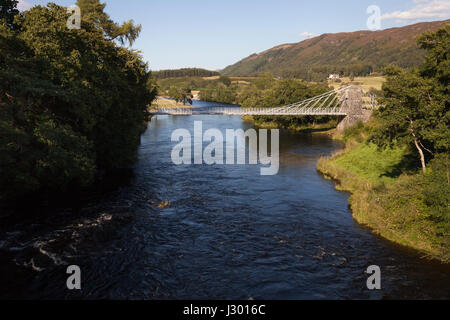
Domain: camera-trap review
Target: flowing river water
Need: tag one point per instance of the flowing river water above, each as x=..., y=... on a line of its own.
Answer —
x=227, y=233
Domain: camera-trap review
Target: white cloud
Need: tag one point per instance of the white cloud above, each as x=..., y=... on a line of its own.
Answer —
x=424, y=9
x=23, y=5
x=307, y=34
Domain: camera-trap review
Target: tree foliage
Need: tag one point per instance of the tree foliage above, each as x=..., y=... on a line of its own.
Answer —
x=415, y=103
x=93, y=12
x=72, y=102
x=181, y=95
x=8, y=10
x=221, y=95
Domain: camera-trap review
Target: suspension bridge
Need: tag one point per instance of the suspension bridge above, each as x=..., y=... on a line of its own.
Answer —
x=344, y=101
x=332, y=103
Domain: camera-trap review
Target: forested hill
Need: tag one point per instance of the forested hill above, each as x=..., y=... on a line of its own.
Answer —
x=358, y=52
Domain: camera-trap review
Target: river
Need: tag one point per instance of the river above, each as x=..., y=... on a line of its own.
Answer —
x=227, y=233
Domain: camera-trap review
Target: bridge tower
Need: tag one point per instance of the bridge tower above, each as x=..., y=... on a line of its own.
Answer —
x=352, y=103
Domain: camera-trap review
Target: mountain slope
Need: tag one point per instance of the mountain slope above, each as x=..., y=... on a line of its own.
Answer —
x=358, y=52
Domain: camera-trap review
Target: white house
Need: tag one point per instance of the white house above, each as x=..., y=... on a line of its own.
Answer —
x=334, y=76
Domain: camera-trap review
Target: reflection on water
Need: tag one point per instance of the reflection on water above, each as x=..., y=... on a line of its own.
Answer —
x=228, y=233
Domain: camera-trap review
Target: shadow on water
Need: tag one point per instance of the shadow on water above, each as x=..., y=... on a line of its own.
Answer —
x=48, y=202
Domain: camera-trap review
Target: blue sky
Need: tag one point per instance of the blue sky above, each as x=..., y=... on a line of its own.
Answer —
x=215, y=33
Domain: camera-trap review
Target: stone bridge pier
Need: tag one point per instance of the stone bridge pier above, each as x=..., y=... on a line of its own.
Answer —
x=352, y=105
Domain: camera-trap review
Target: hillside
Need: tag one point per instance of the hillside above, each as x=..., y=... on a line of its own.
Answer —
x=358, y=53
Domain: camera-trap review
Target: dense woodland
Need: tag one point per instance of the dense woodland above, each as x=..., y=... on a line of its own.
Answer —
x=186, y=72
x=73, y=103
x=217, y=88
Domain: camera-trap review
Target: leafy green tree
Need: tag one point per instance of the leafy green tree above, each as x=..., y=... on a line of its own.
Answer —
x=174, y=93
x=437, y=63
x=403, y=115
x=415, y=104
x=181, y=95
x=92, y=11
x=186, y=96
x=8, y=10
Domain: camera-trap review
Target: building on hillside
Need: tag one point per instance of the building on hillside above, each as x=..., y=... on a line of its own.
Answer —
x=334, y=76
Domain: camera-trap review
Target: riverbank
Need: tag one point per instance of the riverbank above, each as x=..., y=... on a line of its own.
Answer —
x=396, y=204
x=166, y=103
x=324, y=128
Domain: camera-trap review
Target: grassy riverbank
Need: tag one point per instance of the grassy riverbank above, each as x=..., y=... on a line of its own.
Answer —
x=326, y=128
x=397, y=202
x=165, y=103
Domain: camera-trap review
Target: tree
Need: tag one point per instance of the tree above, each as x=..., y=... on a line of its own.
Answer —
x=225, y=80
x=403, y=113
x=186, y=96
x=93, y=11
x=415, y=104
x=181, y=95
x=174, y=94
x=264, y=81
x=437, y=64
x=8, y=10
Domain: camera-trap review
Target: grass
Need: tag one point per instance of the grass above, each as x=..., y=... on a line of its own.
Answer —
x=389, y=199
x=370, y=163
